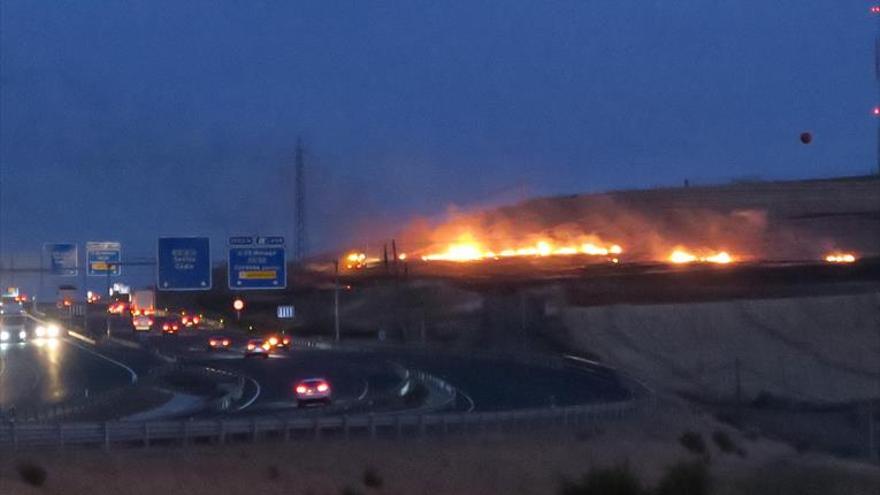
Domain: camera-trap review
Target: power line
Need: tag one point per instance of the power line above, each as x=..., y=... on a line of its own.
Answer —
x=875, y=10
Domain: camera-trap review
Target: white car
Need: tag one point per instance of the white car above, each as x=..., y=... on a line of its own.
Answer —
x=50, y=331
x=12, y=328
x=313, y=390
x=142, y=323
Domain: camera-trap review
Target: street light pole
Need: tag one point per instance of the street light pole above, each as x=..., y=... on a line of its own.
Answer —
x=336, y=298
x=107, y=295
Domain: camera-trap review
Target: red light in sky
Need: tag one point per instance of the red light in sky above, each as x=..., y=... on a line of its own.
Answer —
x=875, y=9
x=876, y=111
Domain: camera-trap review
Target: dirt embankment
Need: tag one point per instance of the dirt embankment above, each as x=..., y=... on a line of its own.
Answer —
x=820, y=349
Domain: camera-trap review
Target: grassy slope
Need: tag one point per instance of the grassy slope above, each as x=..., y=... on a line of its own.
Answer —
x=528, y=462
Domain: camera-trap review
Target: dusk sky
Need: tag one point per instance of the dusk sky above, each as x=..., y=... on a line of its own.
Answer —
x=129, y=120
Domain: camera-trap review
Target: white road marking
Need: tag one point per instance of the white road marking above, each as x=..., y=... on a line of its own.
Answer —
x=582, y=360
x=366, y=389
x=252, y=399
x=134, y=376
x=468, y=397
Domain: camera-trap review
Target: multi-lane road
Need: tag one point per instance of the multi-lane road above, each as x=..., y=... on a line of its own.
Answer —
x=46, y=373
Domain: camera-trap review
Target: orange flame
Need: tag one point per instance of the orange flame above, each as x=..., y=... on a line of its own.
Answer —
x=682, y=256
x=840, y=258
x=467, y=249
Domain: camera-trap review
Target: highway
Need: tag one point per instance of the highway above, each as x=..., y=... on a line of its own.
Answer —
x=484, y=384
x=40, y=374
x=45, y=373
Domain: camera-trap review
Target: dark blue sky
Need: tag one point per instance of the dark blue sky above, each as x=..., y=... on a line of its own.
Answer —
x=129, y=120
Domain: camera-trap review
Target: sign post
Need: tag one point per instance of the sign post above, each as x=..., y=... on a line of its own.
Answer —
x=103, y=259
x=238, y=305
x=257, y=263
x=285, y=311
x=183, y=264
x=63, y=259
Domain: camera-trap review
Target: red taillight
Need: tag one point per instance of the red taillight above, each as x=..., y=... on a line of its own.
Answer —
x=225, y=342
x=251, y=347
x=286, y=341
x=323, y=387
x=301, y=389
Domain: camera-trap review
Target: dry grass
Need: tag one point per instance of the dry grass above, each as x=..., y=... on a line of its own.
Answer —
x=528, y=462
x=822, y=348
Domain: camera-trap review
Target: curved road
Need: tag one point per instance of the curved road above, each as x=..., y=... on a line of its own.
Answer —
x=39, y=374
x=44, y=373
x=484, y=384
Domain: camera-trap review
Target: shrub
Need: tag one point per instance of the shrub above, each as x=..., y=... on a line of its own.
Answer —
x=685, y=478
x=372, y=479
x=693, y=441
x=618, y=480
x=32, y=473
x=273, y=473
x=724, y=442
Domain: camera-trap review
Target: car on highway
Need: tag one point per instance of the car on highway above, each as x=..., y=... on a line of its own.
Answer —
x=190, y=320
x=10, y=301
x=281, y=342
x=12, y=327
x=142, y=322
x=171, y=326
x=50, y=331
x=219, y=343
x=118, y=308
x=312, y=391
x=257, y=348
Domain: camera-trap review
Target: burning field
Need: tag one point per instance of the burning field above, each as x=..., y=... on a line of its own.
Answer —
x=675, y=227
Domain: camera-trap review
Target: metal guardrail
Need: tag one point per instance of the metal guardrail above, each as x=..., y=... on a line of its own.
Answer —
x=121, y=433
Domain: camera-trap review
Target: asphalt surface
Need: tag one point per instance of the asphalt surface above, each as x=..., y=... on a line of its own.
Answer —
x=484, y=384
x=354, y=378
x=44, y=373
x=39, y=374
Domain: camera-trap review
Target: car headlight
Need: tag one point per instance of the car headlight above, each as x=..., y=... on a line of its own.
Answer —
x=22, y=335
x=4, y=335
x=40, y=331
x=53, y=331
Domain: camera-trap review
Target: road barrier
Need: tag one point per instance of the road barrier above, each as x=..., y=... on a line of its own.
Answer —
x=184, y=432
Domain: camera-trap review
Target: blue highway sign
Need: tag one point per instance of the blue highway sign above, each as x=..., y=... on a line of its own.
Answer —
x=286, y=311
x=241, y=240
x=257, y=268
x=275, y=240
x=103, y=257
x=184, y=263
x=63, y=259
